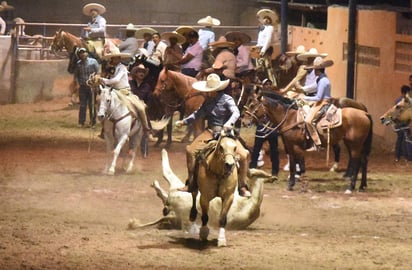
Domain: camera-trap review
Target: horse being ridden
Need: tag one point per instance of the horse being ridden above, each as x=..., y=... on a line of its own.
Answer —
x=119, y=125
x=176, y=92
x=355, y=131
x=217, y=176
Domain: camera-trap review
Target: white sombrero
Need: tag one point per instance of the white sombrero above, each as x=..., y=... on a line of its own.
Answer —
x=6, y=6
x=212, y=83
x=145, y=30
x=115, y=52
x=180, y=38
x=261, y=14
x=320, y=63
x=129, y=27
x=208, y=21
x=299, y=50
x=89, y=7
x=313, y=52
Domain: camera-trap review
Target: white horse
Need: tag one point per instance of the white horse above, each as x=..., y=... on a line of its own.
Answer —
x=119, y=125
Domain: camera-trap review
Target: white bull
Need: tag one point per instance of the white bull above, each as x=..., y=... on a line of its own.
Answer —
x=177, y=204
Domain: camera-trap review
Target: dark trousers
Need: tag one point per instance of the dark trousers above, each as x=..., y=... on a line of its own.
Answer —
x=189, y=72
x=401, y=144
x=274, y=152
x=87, y=99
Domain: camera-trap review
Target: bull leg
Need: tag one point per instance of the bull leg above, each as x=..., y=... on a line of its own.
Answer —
x=161, y=193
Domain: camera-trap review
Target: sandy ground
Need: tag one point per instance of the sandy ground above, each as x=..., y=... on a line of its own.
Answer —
x=58, y=211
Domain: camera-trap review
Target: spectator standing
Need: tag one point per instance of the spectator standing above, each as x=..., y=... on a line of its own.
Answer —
x=263, y=134
x=84, y=68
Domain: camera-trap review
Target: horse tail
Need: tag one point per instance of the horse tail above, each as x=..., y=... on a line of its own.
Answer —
x=368, y=143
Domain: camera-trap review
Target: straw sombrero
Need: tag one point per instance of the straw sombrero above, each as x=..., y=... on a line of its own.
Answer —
x=89, y=7
x=320, y=63
x=222, y=43
x=140, y=67
x=313, y=52
x=212, y=83
x=129, y=27
x=237, y=35
x=208, y=21
x=185, y=30
x=115, y=52
x=141, y=31
x=180, y=38
x=299, y=50
x=261, y=14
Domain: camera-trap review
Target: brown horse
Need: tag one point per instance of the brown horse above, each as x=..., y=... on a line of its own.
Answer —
x=400, y=113
x=216, y=174
x=355, y=131
x=176, y=92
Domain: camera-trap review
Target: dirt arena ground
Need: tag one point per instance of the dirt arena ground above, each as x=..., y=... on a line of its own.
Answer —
x=59, y=212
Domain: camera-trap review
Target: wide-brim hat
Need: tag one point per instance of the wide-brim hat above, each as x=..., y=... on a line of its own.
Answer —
x=140, y=67
x=129, y=27
x=208, y=21
x=6, y=6
x=115, y=52
x=238, y=35
x=180, y=38
x=222, y=43
x=313, y=52
x=212, y=83
x=261, y=14
x=141, y=31
x=299, y=50
x=185, y=30
x=320, y=63
x=89, y=7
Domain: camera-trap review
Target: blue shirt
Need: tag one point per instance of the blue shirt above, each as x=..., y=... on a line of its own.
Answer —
x=323, y=89
x=84, y=69
x=218, y=111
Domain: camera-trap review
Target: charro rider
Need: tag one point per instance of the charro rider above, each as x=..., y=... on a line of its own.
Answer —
x=119, y=81
x=95, y=31
x=266, y=39
x=221, y=112
x=319, y=100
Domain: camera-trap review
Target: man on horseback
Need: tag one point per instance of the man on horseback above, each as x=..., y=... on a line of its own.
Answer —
x=266, y=40
x=221, y=112
x=95, y=31
x=318, y=101
x=119, y=81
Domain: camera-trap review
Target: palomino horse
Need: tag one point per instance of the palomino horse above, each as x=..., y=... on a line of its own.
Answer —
x=400, y=113
x=355, y=131
x=217, y=176
x=119, y=124
x=176, y=92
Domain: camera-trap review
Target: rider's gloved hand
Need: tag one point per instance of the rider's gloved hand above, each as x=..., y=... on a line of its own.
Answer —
x=179, y=123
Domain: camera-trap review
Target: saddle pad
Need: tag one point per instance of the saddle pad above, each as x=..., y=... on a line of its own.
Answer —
x=332, y=118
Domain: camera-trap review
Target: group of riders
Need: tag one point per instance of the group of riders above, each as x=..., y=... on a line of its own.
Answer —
x=224, y=68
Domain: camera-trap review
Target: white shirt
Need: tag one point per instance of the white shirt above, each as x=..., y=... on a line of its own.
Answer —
x=265, y=38
x=206, y=36
x=158, y=52
x=119, y=79
x=310, y=86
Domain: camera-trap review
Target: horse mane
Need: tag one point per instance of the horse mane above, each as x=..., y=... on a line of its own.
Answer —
x=275, y=96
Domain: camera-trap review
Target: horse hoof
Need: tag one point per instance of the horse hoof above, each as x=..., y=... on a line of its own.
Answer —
x=348, y=191
x=362, y=189
x=204, y=233
x=110, y=172
x=221, y=242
